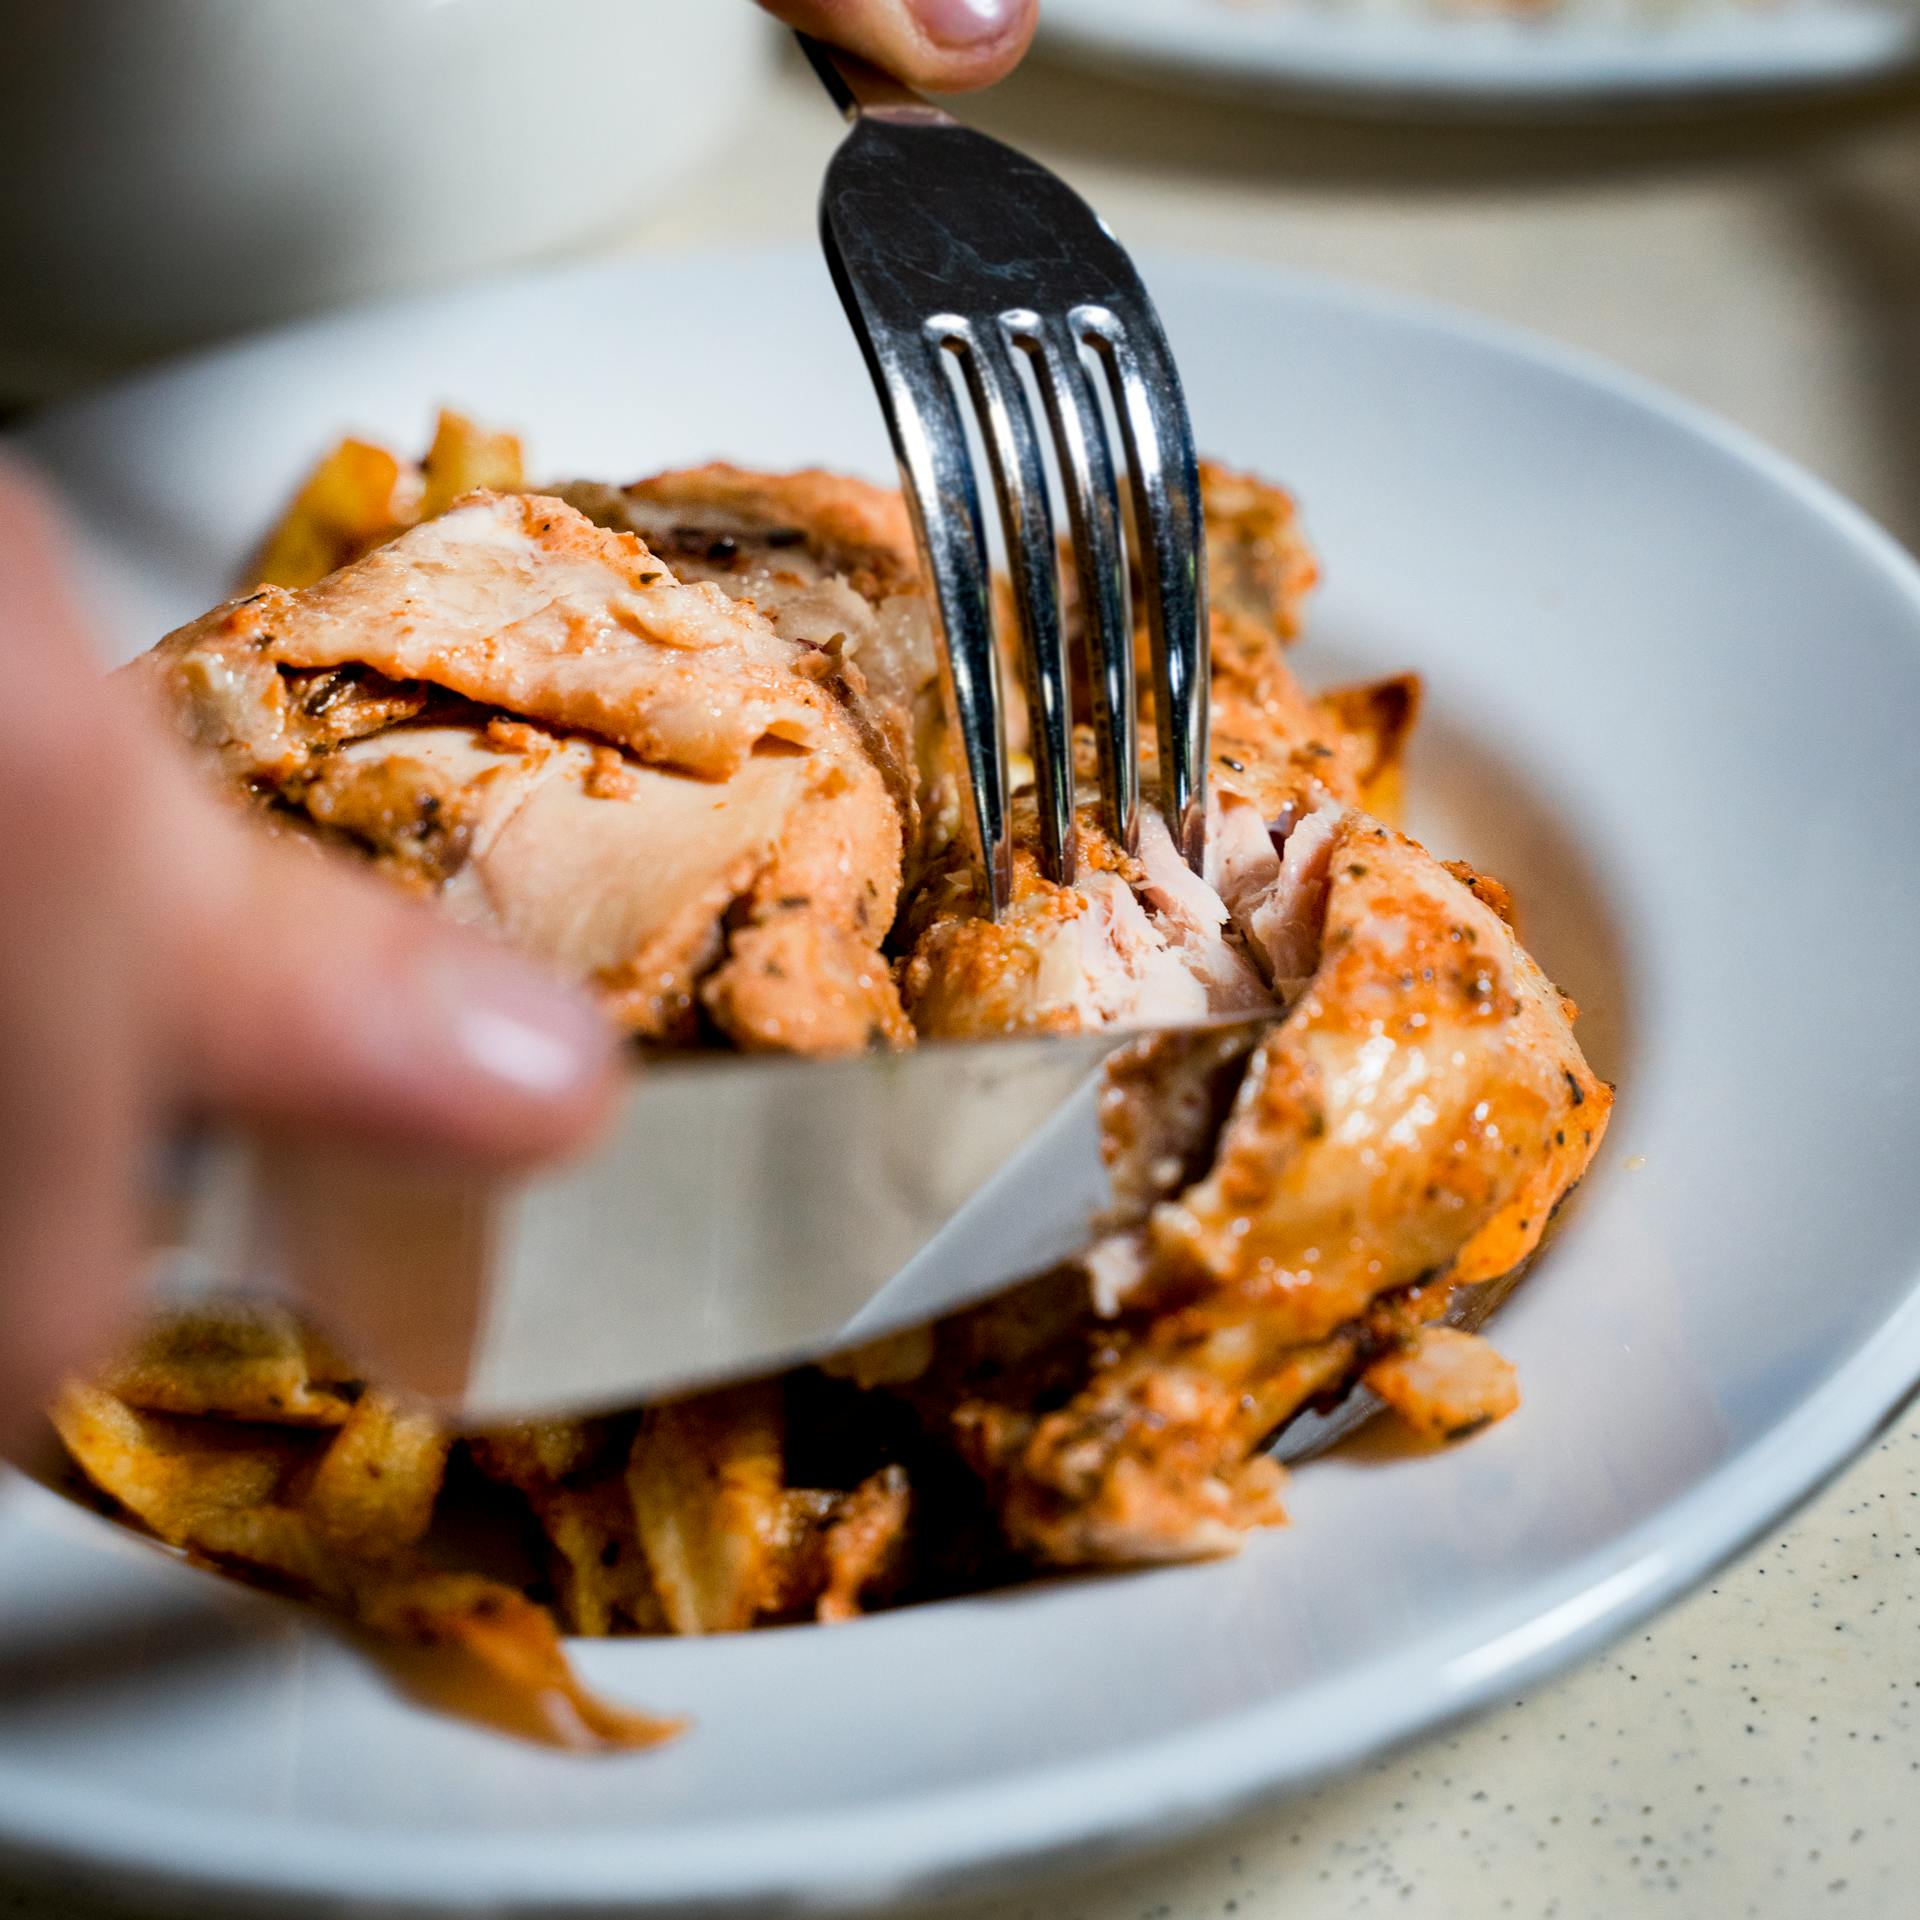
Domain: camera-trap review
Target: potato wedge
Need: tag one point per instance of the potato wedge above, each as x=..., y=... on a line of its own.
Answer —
x=514, y=1642
x=373, y=1492
x=707, y=1481
x=356, y=497
x=465, y=456
x=234, y=1360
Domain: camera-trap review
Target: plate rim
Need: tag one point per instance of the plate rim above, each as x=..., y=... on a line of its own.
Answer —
x=1309, y=75
x=1077, y=1813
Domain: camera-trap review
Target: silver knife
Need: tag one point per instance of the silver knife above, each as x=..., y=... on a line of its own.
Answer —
x=739, y=1215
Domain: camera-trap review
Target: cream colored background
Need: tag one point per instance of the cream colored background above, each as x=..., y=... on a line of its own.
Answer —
x=1758, y=1751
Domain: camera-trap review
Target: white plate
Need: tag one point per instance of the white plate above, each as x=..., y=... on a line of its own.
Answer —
x=1673, y=686
x=1443, y=56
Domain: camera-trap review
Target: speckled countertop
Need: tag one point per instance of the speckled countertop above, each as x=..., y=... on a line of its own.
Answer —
x=1755, y=1753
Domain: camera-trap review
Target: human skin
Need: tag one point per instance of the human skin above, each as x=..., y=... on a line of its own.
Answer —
x=949, y=46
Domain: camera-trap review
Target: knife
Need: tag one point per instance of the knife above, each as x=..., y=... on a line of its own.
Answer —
x=740, y=1214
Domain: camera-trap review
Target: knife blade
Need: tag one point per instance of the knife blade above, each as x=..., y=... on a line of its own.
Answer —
x=740, y=1214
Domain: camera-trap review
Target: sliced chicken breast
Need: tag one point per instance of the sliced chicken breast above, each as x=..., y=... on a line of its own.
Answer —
x=637, y=779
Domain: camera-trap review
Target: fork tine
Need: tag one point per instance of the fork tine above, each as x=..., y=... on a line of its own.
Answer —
x=931, y=446
x=925, y=220
x=1020, y=481
x=1165, y=480
x=1100, y=562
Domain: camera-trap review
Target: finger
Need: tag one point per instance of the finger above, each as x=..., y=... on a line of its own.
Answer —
x=314, y=997
x=948, y=46
x=72, y=1092
x=155, y=948
x=69, y=1143
x=289, y=992
x=71, y=1105
x=70, y=1134
x=279, y=987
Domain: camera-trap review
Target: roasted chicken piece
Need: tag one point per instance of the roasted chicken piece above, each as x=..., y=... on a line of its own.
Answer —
x=1444, y=1383
x=636, y=779
x=1139, y=941
x=1408, y=1127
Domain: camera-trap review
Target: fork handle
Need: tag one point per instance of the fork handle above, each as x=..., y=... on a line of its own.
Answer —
x=863, y=92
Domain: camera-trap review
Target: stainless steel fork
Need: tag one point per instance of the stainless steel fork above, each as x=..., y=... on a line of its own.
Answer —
x=954, y=252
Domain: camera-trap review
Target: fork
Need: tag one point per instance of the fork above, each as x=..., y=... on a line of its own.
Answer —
x=953, y=253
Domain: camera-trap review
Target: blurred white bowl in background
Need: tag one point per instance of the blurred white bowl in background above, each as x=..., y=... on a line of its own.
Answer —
x=171, y=170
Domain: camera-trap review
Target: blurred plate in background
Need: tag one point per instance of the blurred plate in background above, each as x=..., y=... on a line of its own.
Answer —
x=1499, y=56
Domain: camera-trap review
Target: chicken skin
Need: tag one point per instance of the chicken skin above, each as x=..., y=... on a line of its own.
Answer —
x=1407, y=1128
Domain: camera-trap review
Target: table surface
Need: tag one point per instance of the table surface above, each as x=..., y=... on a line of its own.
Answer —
x=1755, y=1752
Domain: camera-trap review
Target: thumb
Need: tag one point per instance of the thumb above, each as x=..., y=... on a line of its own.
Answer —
x=947, y=45
x=312, y=997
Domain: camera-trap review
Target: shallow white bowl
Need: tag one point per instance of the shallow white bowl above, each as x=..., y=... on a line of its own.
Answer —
x=1672, y=684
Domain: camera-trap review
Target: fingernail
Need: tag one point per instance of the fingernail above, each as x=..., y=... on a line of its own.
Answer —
x=515, y=1027
x=965, y=23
